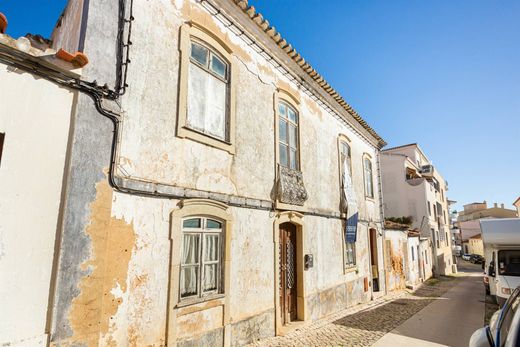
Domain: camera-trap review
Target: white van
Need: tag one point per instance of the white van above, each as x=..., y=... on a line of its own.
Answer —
x=501, y=238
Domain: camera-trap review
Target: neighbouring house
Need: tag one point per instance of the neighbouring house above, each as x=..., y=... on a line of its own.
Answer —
x=469, y=225
x=475, y=245
x=218, y=189
x=396, y=254
x=412, y=186
x=420, y=259
x=35, y=132
x=408, y=256
x=517, y=205
x=478, y=210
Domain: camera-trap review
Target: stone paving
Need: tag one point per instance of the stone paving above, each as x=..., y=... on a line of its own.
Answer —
x=364, y=324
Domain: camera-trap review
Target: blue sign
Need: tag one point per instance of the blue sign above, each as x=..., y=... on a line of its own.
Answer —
x=351, y=228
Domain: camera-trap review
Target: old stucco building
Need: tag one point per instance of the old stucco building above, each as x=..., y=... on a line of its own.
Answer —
x=413, y=187
x=204, y=201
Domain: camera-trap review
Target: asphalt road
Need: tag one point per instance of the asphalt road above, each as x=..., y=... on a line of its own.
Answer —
x=448, y=321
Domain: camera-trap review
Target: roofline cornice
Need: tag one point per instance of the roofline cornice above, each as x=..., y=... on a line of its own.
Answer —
x=287, y=57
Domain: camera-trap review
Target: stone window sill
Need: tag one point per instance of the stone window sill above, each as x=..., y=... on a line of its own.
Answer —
x=198, y=304
x=185, y=132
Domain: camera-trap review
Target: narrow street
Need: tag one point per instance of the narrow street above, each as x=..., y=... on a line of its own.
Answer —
x=442, y=312
x=447, y=321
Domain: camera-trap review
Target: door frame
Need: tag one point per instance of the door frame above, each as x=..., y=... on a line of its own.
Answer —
x=296, y=219
x=374, y=258
x=288, y=297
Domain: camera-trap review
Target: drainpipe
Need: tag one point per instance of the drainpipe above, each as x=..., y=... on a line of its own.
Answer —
x=382, y=215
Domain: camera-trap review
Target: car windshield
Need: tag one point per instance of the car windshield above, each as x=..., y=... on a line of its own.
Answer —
x=509, y=263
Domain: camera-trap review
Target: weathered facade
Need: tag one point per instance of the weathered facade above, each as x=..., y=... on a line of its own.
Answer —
x=413, y=187
x=35, y=123
x=206, y=208
x=408, y=258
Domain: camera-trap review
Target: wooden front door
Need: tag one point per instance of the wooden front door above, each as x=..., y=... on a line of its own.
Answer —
x=373, y=260
x=288, y=282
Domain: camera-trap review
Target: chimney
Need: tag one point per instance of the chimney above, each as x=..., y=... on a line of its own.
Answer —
x=501, y=205
x=495, y=205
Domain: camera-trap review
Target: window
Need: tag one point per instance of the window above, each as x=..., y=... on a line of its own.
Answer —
x=413, y=255
x=206, y=94
x=201, y=257
x=509, y=263
x=438, y=242
x=369, y=182
x=288, y=141
x=429, y=209
x=350, y=254
x=345, y=153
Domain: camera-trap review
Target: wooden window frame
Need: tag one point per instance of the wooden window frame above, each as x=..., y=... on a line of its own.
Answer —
x=353, y=264
x=203, y=231
x=367, y=157
x=288, y=98
x=193, y=32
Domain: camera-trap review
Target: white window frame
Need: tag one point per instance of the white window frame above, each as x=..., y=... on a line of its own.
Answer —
x=216, y=43
x=212, y=52
x=286, y=142
x=202, y=231
x=350, y=248
x=370, y=178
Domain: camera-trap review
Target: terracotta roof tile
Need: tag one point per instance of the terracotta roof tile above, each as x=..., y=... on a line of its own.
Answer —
x=277, y=38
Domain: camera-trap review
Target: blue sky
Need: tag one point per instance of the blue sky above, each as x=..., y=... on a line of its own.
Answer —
x=441, y=73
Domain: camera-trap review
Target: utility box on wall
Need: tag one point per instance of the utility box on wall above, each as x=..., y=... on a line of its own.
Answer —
x=308, y=261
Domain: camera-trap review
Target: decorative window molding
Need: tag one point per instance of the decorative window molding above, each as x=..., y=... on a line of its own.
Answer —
x=368, y=175
x=183, y=222
x=212, y=62
x=204, y=209
x=290, y=189
x=201, y=258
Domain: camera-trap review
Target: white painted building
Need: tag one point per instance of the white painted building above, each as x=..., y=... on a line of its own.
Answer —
x=35, y=130
x=412, y=186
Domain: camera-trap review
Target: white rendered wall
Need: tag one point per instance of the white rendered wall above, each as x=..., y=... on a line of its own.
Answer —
x=35, y=117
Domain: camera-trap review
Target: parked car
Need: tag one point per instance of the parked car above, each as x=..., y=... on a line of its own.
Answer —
x=476, y=259
x=504, y=327
x=465, y=256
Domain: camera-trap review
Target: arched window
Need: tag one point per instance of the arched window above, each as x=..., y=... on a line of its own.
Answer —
x=208, y=91
x=201, y=257
x=288, y=142
x=369, y=180
x=206, y=88
x=345, y=153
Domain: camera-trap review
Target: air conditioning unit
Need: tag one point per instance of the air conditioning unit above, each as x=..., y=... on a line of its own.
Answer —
x=427, y=169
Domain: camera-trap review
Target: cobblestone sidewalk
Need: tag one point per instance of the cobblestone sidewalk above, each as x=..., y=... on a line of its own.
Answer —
x=364, y=324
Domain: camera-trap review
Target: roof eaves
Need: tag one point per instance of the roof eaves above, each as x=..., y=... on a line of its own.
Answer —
x=256, y=17
x=399, y=147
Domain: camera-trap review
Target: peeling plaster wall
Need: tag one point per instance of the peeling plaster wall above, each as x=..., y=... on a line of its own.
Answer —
x=99, y=304
x=398, y=261
x=36, y=119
